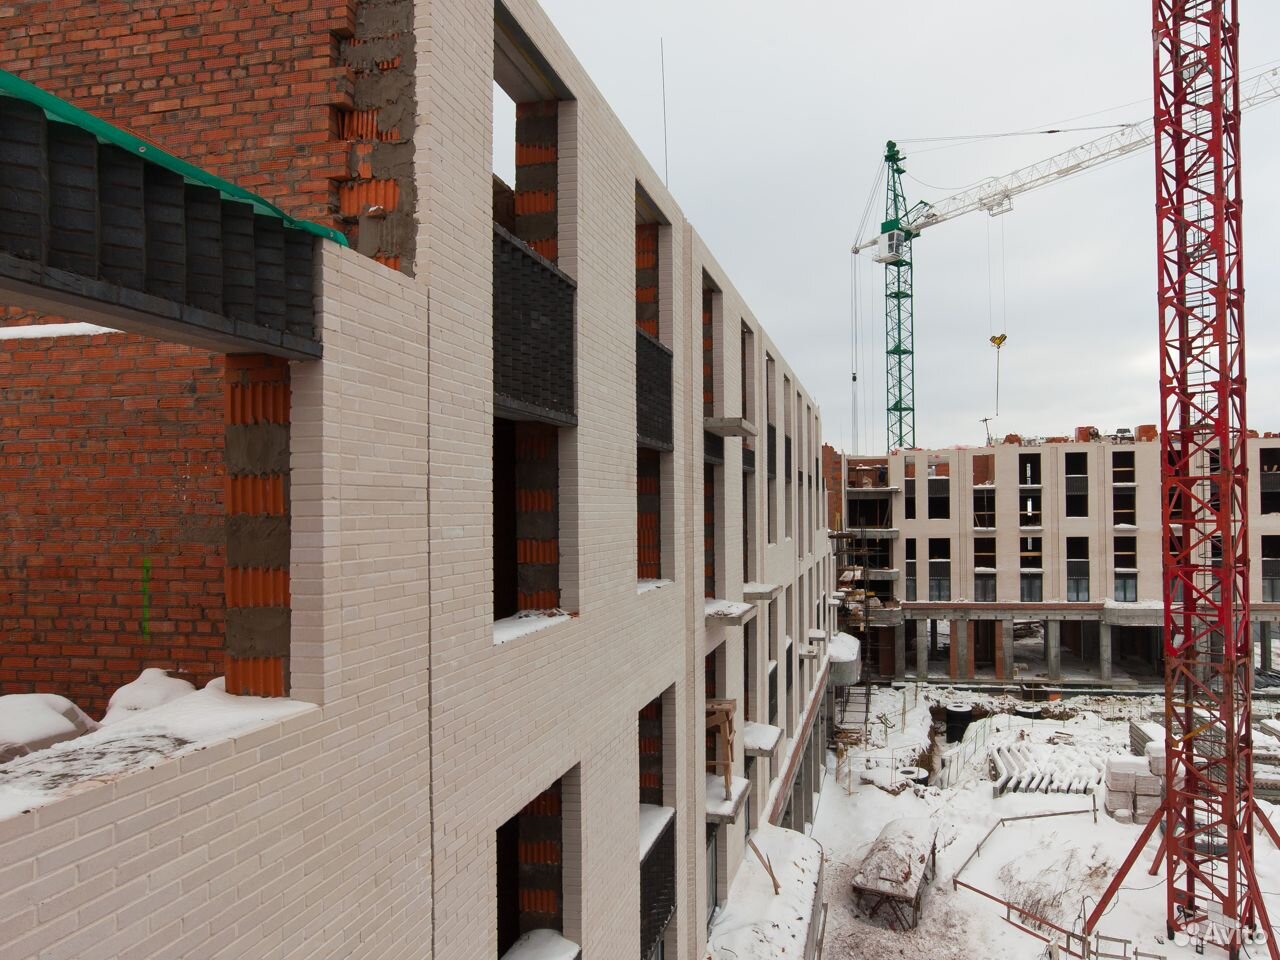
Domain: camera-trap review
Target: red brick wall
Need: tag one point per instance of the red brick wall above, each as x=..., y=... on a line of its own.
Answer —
x=831, y=473
x=244, y=89
x=110, y=453
x=288, y=99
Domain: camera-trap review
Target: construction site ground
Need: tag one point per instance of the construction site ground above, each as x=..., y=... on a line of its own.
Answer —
x=1054, y=866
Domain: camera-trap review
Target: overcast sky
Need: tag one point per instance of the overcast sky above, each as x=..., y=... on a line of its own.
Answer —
x=777, y=118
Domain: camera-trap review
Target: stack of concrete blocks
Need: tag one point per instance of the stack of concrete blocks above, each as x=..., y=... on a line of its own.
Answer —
x=1135, y=786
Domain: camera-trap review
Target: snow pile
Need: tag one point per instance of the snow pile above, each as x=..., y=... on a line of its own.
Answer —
x=1049, y=879
x=33, y=721
x=896, y=863
x=756, y=923
x=141, y=739
x=844, y=648
x=542, y=945
x=153, y=688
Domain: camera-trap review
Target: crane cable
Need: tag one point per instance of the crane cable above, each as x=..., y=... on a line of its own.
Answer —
x=855, y=313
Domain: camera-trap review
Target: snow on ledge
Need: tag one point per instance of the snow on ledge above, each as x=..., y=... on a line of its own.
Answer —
x=760, y=739
x=652, y=821
x=524, y=623
x=1111, y=604
x=41, y=331
x=648, y=586
x=728, y=611
x=722, y=809
x=174, y=729
x=755, y=923
x=543, y=945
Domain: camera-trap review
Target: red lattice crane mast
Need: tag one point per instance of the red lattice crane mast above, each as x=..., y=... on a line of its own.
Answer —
x=1209, y=813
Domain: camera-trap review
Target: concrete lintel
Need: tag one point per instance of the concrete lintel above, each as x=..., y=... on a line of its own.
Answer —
x=869, y=493
x=758, y=592
x=728, y=613
x=65, y=294
x=729, y=426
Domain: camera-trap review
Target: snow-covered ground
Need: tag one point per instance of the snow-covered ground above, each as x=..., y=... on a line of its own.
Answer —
x=1056, y=865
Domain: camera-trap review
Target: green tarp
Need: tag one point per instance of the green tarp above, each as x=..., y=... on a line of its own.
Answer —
x=63, y=112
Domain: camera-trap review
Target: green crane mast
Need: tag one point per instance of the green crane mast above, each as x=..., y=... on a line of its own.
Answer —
x=896, y=237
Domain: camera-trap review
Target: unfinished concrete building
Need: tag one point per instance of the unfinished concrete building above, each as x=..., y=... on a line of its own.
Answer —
x=1028, y=560
x=494, y=504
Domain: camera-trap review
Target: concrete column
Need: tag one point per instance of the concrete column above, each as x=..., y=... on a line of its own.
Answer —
x=900, y=651
x=1264, y=634
x=1053, y=655
x=1104, y=650
x=961, y=650
x=1004, y=651
x=922, y=651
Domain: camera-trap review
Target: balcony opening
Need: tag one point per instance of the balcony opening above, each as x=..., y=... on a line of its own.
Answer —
x=524, y=81
x=984, y=569
x=504, y=159
x=1076, y=484
x=789, y=497
x=1029, y=469
x=909, y=551
x=1122, y=467
x=1077, y=569
x=984, y=470
x=711, y=298
x=1126, y=567
x=1269, y=479
x=747, y=371
x=654, y=305
x=709, y=529
x=984, y=509
x=657, y=825
x=526, y=519
x=771, y=399
x=939, y=489
x=749, y=527
x=909, y=488
x=1124, y=506
x=939, y=569
x=1126, y=587
x=1271, y=569
x=872, y=513
x=152, y=525
x=530, y=865
x=1029, y=512
x=1031, y=566
x=648, y=514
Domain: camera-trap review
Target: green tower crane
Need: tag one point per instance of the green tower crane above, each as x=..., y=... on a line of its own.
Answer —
x=896, y=236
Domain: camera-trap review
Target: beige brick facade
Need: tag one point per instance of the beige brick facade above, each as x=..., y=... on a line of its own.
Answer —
x=366, y=827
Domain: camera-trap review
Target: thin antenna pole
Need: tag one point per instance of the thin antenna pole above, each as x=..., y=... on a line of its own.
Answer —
x=666, y=158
